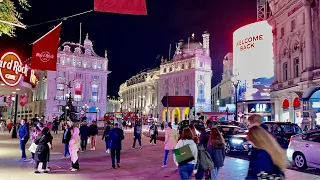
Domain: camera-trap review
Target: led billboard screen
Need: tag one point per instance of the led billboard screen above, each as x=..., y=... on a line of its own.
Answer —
x=253, y=61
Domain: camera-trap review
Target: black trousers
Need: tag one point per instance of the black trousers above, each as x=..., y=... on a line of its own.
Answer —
x=75, y=165
x=154, y=138
x=84, y=144
x=134, y=141
x=44, y=165
x=115, y=153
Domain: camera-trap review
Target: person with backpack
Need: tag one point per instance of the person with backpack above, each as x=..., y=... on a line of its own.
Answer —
x=137, y=131
x=116, y=136
x=216, y=148
x=153, y=133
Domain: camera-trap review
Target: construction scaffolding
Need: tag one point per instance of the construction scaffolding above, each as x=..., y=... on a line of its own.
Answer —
x=263, y=10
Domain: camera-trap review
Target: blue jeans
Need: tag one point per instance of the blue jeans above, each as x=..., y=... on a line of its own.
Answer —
x=107, y=144
x=66, y=150
x=185, y=171
x=166, y=153
x=214, y=173
x=23, y=148
x=32, y=155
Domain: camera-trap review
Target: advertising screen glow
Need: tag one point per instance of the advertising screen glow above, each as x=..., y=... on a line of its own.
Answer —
x=253, y=60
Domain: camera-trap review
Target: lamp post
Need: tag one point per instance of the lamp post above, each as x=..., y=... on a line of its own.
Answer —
x=67, y=107
x=121, y=101
x=85, y=108
x=141, y=98
x=235, y=83
x=98, y=115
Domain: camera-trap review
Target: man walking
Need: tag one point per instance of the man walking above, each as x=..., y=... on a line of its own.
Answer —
x=93, y=129
x=84, y=134
x=23, y=133
x=116, y=136
x=137, y=131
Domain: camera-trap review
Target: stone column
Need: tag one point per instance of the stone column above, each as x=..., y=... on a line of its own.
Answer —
x=291, y=109
x=277, y=108
x=308, y=35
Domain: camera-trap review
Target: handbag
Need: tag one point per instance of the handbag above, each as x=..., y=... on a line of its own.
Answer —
x=183, y=154
x=33, y=148
x=89, y=140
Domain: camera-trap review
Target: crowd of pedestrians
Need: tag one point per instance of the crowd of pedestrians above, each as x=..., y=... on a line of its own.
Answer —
x=203, y=154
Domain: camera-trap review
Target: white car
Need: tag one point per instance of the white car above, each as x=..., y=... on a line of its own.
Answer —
x=304, y=150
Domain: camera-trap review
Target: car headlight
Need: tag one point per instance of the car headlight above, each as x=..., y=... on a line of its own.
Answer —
x=236, y=141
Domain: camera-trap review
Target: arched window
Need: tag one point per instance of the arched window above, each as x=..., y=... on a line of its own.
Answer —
x=170, y=69
x=78, y=91
x=60, y=91
x=187, y=88
x=201, y=92
x=182, y=66
x=176, y=89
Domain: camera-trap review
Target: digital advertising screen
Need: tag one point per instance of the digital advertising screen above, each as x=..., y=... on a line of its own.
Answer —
x=253, y=61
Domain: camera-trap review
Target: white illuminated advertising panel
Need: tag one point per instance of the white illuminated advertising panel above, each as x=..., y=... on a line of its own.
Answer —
x=253, y=60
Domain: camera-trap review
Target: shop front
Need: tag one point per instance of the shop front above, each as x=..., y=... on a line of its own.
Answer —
x=311, y=108
x=262, y=108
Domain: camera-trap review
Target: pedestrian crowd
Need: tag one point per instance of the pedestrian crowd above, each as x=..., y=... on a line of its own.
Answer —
x=201, y=155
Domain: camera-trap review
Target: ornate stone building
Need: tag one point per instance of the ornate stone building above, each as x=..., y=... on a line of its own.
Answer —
x=188, y=73
x=86, y=72
x=296, y=55
x=139, y=93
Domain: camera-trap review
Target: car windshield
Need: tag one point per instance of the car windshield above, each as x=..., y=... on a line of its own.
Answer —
x=291, y=128
x=231, y=131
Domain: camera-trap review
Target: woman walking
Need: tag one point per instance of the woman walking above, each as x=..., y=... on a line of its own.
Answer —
x=74, y=146
x=185, y=170
x=153, y=133
x=43, y=150
x=36, y=132
x=216, y=149
x=269, y=161
x=171, y=139
x=65, y=140
x=106, y=138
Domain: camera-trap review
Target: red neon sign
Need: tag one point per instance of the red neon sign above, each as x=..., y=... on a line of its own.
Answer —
x=12, y=70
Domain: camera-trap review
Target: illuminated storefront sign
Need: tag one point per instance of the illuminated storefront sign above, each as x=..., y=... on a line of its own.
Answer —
x=12, y=70
x=253, y=60
x=259, y=108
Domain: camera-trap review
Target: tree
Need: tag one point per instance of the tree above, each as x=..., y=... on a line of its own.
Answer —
x=8, y=12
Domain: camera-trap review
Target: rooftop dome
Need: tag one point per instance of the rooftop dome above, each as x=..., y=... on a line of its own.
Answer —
x=87, y=42
x=192, y=45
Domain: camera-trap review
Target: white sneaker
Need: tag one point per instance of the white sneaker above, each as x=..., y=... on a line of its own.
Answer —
x=70, y=168
x=68, y=157
x=163, y=166
x=73, y=170
x=32, y=161
x=94, y=148
x=140, y=147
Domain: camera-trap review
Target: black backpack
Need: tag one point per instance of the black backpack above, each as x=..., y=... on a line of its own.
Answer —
x=204, y=158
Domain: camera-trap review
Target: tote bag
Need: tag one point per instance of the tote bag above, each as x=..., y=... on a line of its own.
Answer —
x=33, y=148
x=183, y=154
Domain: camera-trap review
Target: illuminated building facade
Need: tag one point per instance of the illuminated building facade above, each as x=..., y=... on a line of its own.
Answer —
x=296, y=56
x=188, y=73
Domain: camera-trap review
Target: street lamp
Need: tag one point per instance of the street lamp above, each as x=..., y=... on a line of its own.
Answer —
x=85, y=108
x=98, y=111
x=121, y=101
x=142, y=97
x=235, y=83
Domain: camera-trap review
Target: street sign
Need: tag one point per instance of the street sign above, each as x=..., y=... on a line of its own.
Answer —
x=177, y=101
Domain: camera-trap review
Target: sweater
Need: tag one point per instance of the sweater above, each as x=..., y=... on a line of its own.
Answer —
x=193, y=148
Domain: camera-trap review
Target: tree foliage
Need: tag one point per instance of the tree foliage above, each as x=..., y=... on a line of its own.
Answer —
x=8, y=12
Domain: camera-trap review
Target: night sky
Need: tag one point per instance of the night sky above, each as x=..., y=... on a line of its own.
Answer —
x=134, y=42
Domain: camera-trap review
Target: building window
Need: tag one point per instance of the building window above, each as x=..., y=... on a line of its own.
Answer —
x=293, y=25
x=99, y=66
x=201, y=77
x=61, y=74
x=285, y=71
x=79, y=76
x=176, y=88
x=170, y=69
x=167, y=90
x=296, y=67
x=166, y=81
x=60, y=92
x=187, y=88
x=79, y=63
x=164, y=70
x=201, y=91
x=201, y=64
x=94, y=77
x=182, y=66
x=78, y=91
x=282, y=32
x=189, y=65
x=88, y=65
x=94, y=93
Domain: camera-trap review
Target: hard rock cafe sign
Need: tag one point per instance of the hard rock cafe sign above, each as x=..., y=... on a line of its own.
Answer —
x=12, y=70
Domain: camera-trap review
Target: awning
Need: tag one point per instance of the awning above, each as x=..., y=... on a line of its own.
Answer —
x=93, y=109
x=306, y=95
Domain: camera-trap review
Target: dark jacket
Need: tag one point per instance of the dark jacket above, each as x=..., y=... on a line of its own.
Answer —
x=23, y=132
x=217, y=154
x=43, y=150
x=136, y=135
x=106, y=132
x=116, y=136
x=260, y=161
x=93, y=129
x=66, y=139
x=204, y=138
x=84, y=132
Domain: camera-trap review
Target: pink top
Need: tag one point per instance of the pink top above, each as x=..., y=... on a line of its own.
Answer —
x=34, y=135
x=171, y=138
